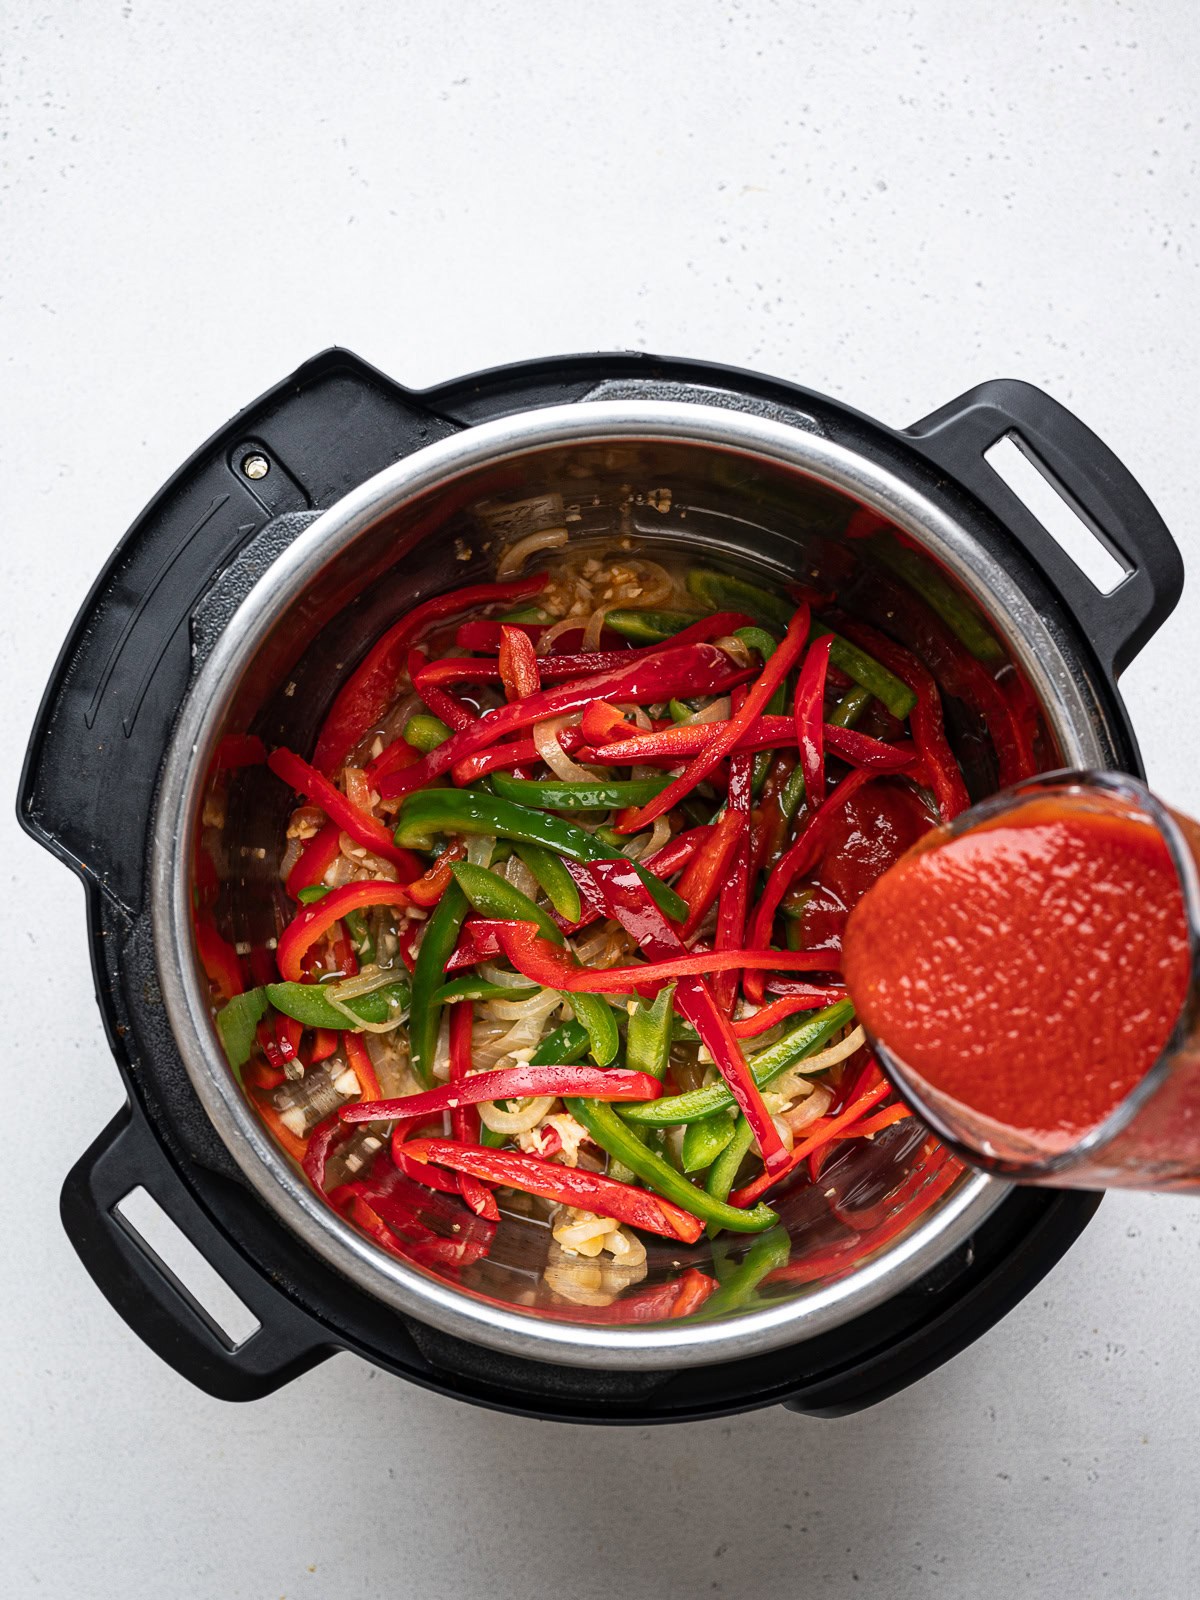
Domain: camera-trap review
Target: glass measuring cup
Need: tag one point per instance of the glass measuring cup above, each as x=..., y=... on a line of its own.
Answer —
x=1151, y=1139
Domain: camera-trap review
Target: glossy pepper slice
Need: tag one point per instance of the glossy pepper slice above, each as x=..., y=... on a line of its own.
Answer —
x=541, y=962
x=518, y=663
x=425, y=1014
x=633, y=908
x=764, y=686
x=800, y=858
x=810, y=702
x=309, y=1004
x=571, y=1186
x=556, y=794
x=436, y=811
x=367, y=693
x=751, y=1193
x=510, y=1083
x=312, y=921
x=671, y=745
x=686, y=669
x=552, y=878
x=623, y=1145
x=315, y=859
x=362, y=827
x=648, y=1035
x=708, y=869
x=446, y=707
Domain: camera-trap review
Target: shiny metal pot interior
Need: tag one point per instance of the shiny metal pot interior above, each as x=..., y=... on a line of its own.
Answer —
x=748, y=491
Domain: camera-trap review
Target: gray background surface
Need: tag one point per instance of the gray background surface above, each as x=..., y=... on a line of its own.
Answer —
x=888, y=203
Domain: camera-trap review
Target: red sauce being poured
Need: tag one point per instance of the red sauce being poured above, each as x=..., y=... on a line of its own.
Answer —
x=1031, y=969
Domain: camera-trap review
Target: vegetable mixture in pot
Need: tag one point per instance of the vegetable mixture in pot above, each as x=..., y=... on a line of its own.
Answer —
x=569, y=867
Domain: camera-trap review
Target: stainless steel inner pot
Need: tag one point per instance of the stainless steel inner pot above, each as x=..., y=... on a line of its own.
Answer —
x=748, y=491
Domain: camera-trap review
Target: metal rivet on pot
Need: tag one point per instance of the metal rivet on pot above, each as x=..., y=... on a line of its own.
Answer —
x=256, y=466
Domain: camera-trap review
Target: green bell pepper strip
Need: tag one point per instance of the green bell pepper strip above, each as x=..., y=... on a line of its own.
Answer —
x=470, y=811
x=437, y=946
x=495, y=897
x=806, y=1037
x=564, y=1046
x=677, y=711
x=724, y=1170
x=313, y=893
x=309, y=1003
x=425, y=732
x=723, y=593
x=704, y=1141
x=768, y=1253
x=555, y=795
x=555, y=882
x=720, y=592
x=850, y=707
x=479, y=989
x=792, y=793
x=356, y=922
x=611, y=1134
x=530, y=614
x=237, y=1021
x=649, y=627
x=648, y=1034
x=956, y=611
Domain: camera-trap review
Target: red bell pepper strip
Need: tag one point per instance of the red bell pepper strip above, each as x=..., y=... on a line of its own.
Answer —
x=315, y=859
x=325, y=1042
x=258, y=1074
x=670, y=745
x=571, y=1186
x=760, y=691
x=269, y=1045
x=362, y=827
x=735, y=891
x=511, y=1083
x=312, y=921
x=429, y=889
x=694, y=1289
x=516, y=753
x=881, y=1119
x=518, y=664
x=367, y=693
x=284, y=1136
x=414, y=1169
x=809, y=1000
x=678, y=853
x=239, y=750
x=687, y=669
x=751, y=1192
x=398, y=755
x=320, y=1143
x=800, y=858
x=929, y=732
x=464, y=1119
x=602, y=723
x=630, y=902
x=478, y=940
x=555, y=968
x=287, y=1035
x=362, y=1067
x=447, y=706
x=219, y=960
x=486, y=637
x=707, y=871
x=810, y=706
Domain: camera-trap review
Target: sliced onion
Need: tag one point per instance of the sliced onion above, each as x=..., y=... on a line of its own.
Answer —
x=817, y=1104
x=518, y=874
x=595, y=627
x=789, y=1083
x=515, y=557
x=371, y=977
x=502, y=976
x=519, y=1121
x=736, y=649
x=479, y=849
x=545, y=737
x=552, y=634
x=537, y=1006
x=719, y=710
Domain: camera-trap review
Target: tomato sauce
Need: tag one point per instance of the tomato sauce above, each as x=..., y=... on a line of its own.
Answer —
x=1032, y=968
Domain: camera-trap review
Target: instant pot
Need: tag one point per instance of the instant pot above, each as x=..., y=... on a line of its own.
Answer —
x=238, y=602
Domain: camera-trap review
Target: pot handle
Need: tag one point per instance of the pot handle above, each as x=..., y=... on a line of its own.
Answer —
x=1093, y=482
x=144, y=1291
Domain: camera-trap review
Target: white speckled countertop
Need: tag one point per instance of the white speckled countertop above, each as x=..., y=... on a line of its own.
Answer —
x=888, y=203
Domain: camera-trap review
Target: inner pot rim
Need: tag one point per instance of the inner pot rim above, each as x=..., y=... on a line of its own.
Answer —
x=405, y=1288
